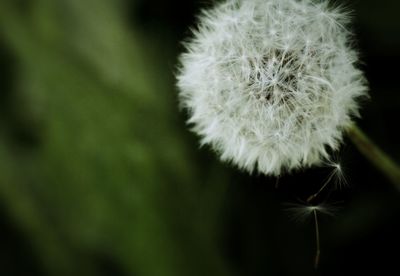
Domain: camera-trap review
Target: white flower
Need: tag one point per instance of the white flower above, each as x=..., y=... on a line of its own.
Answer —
x=271, y=84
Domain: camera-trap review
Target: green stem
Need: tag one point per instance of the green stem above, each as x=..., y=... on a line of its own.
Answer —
x=375, y=155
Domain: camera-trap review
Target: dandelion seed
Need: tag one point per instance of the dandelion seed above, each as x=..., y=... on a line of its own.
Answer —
x=271, y=84
x=336, y=177
x=300, y=212
x=337, y=174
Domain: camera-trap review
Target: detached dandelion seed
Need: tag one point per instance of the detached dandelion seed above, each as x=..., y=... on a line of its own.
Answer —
x=270, y=85
x=336, y=176
x=300, y=212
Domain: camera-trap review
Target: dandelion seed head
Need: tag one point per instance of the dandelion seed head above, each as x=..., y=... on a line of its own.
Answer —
x=271, y=84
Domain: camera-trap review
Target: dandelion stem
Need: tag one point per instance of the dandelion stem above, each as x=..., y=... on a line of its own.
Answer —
x=375, y=155
x=318, y=251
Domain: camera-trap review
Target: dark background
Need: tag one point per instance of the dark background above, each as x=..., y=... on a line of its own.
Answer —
x=100, y=176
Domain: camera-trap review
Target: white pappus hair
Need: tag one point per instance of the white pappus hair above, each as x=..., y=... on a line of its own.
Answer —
x=271, y=84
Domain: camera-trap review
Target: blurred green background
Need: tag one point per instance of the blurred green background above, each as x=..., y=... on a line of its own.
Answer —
x=99, y=174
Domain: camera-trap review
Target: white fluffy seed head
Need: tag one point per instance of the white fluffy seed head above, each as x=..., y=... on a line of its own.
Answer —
x=271, y=84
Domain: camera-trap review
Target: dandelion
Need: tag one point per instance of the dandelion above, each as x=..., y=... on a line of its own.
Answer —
x=271, y=85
